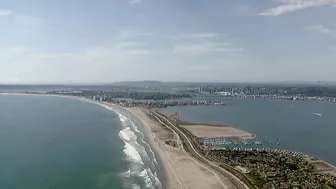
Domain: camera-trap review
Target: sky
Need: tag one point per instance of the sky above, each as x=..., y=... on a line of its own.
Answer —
x=103, y=41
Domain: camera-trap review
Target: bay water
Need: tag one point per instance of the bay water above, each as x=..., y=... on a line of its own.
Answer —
x=304, y=126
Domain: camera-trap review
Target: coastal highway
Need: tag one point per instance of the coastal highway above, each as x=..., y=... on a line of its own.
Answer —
x=181, y=133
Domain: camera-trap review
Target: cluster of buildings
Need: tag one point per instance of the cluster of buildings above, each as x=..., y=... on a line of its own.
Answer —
x=160, y=104
x=274, y=168
x=284, y=92
x=143, y=99
x=122, y=94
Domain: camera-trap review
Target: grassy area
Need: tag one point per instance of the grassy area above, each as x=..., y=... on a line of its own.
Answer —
x=257, y=180
x=240, y=175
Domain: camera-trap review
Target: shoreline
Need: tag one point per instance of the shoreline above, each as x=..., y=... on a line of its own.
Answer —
x=163, y=174
x=230, y=131
x=180, y=170
x=163, y=164
x=165, y=179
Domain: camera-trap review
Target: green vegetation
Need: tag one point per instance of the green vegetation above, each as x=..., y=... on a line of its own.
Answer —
x=257, y=180
x=272, y=169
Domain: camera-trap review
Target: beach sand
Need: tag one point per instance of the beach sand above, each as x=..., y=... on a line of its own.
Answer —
x=204, y=130
x=207, y=131
x=180, y=170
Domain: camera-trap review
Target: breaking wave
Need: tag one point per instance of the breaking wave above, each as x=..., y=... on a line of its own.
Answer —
x=142, y=170
x=142, y=166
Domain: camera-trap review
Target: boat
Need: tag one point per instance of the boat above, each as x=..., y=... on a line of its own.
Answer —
x=318, y=114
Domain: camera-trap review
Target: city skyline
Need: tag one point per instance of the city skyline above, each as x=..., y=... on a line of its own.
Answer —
x=109, y=41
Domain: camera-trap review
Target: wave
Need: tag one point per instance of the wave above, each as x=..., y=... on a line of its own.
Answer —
x=142, y=166
x=134, y=186
x=148, y=181
x=132, y=154
x=143, y=141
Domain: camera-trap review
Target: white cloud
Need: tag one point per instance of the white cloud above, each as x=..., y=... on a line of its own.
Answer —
x=196, y=36
x=5, y=12
x=205, y=48
x=245, y=7
x=94, y=64
x=321, y=29
x=135, y=2
x=130, y=34
x=203, y=35
x=129, y=44
x=295, y=5
x=124, y=57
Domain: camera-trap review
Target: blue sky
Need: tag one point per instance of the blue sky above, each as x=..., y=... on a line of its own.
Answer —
x=85, y=41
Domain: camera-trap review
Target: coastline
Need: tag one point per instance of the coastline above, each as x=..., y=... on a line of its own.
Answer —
x=163, y=174
x=207, y=130
x=181, y=171
x=165, y=170
x=168, y=176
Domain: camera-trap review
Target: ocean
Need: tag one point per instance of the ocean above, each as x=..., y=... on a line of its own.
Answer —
x=303, y=126
x=57, y=142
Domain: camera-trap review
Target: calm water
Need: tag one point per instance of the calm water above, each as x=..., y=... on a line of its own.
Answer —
x=304, y=126
x=52, y=142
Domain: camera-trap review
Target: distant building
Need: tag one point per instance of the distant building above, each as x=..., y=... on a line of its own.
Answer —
x=94, y=98
x=101, y=99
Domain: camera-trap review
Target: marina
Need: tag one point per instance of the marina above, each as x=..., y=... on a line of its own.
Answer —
x=277, y=124
x=234, y=142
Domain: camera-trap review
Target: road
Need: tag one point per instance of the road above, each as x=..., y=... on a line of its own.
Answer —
x=181, y=133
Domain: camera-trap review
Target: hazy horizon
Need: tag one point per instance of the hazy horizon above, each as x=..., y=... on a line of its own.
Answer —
x=78, y=42
x=172, y=82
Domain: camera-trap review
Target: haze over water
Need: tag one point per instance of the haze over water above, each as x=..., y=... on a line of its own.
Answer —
x=52, y=142
x=304, y=126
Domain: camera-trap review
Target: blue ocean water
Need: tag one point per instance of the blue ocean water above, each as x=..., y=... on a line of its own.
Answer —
x=304, y=126
x=54, y=142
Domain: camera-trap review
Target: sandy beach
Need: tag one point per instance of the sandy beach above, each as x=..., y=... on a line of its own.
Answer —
x=204, y=130
x=181, y=170
x=207, y=131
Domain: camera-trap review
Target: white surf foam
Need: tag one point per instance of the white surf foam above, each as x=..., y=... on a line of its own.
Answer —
x=147, y=179
x=143, y=141
x=129, y=136
x=132, y=154
x=134, y=186
x=135, y=153
x=153, y=176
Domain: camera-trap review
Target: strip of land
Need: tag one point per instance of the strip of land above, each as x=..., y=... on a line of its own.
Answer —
x=181, y=170
x=204, y=130
x=189, y=163
x=207, y=131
